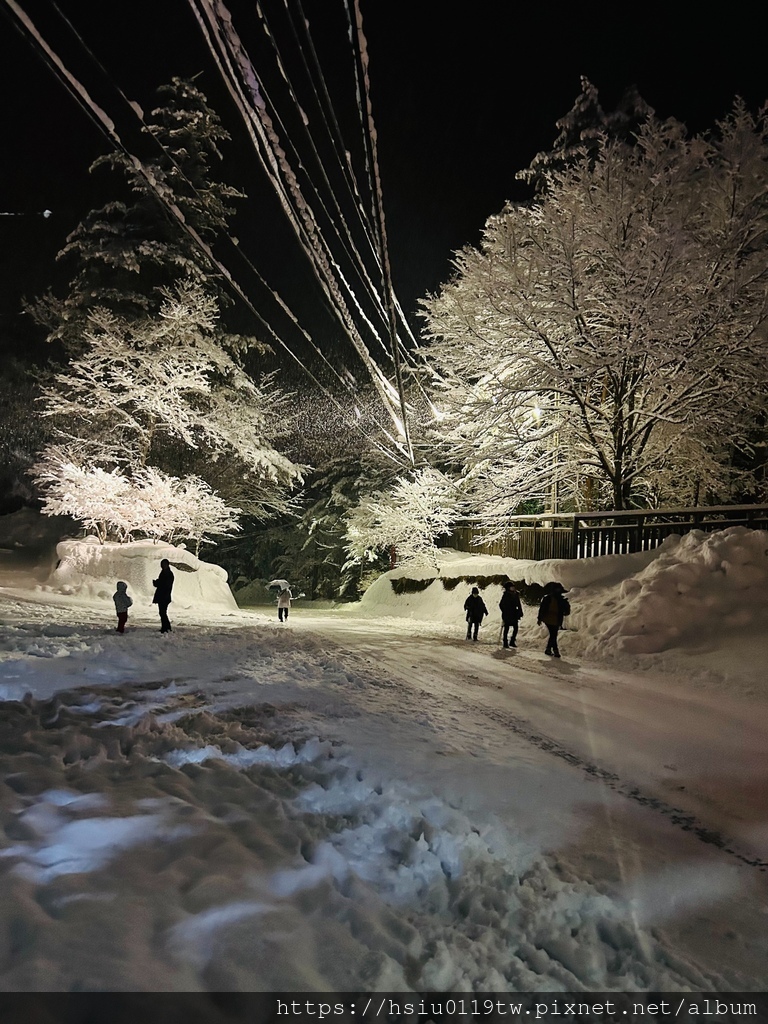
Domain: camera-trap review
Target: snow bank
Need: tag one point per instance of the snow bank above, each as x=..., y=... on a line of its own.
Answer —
x=443, y=598
x=700, y=585
x=89, y=570
x=677, y=595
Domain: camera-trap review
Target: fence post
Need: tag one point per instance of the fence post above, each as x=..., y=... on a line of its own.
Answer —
x=575, y=536
x=636, y=534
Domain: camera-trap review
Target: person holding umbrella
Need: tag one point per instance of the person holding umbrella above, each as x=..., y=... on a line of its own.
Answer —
x=284, y=603
x=284, y=598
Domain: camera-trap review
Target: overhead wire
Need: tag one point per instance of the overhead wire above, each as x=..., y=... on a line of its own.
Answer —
x=344, y=236
x=381, y=229
x=140, y=115
x=387, y=392
x=283, y=305
x=108, y=128
x=216, y=22
x=220, y=23
x=331, y=123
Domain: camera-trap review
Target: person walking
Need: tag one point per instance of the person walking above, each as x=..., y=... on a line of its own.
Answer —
x=284, y=603
x=511, y=612
x=163, y=587
x=475, y=608
x=552, y=610
x=122, y=603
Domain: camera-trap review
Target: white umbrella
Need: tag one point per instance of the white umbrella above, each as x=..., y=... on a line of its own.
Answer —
x=283, y=584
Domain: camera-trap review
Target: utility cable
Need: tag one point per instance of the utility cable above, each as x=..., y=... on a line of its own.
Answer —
x=108, y=128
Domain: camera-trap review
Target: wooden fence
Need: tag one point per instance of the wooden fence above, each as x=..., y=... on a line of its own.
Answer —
x=587, y=534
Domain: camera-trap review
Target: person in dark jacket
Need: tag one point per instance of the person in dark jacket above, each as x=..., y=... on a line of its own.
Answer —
x=475, y=608
x=552, y=610
x=163, y=586
x=511, y=612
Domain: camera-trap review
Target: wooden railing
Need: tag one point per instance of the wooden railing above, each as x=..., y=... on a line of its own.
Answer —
x=587, y=534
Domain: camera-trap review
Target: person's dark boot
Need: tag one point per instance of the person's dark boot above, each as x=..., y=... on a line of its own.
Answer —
x=548, y=651
x=506, y=644
x=556, y=654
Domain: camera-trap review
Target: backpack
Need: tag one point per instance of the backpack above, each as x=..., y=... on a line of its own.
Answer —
x=565, y=606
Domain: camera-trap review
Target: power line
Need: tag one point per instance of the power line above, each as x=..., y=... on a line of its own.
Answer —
x=107, y=127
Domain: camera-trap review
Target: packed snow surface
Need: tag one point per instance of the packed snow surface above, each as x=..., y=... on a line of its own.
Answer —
x=362, y=800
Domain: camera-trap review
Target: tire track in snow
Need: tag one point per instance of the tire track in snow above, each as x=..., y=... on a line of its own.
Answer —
x=411, y=695
x=684, y=820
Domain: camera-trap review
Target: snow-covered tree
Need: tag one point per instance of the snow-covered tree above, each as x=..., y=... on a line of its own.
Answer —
x=581, y=133
x=160, y=392
x=126, y=253
x=98, y=499
x=407, y=518
x=606, y=344
x=148, y=503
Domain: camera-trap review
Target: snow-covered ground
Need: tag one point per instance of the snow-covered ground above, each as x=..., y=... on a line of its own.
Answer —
x=362, y=800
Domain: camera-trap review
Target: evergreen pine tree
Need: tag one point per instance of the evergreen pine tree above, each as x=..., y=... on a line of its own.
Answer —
x=581, y=130
x=132, y=249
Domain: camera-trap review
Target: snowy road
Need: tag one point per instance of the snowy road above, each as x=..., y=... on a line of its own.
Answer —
x=655, y=787
x=702, y=762
x=344, y=802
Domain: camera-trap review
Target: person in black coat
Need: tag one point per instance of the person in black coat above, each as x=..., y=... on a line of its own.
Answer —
x=475, y=608
x=552, y=610
x=511, y=612
x=163, y=586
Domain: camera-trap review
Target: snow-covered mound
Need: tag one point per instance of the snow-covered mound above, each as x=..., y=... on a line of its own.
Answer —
x=446, y=587
x=700, y=584
x=89, y=570
x=674, y=596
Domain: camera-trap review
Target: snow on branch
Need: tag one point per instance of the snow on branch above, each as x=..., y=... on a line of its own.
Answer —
x=605, y=346
x=149, y=504
x=146, y=389
x=408, y=518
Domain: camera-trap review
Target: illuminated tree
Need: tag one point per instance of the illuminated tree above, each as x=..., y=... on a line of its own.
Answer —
x=406, y=519
x=608, y=341
x=146, y=392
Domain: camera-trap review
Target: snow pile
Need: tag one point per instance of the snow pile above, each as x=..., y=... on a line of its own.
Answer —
x=700, y=584
x=89, y=570
x=236, y=856
x=687, y=589
x=59, y=841
x=442, y=599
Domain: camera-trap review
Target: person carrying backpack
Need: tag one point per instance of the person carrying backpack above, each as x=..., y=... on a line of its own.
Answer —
x=475, y=608
x=511, y=612
x=552, y=610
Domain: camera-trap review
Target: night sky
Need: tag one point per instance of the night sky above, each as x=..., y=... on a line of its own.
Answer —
x=463, y=97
